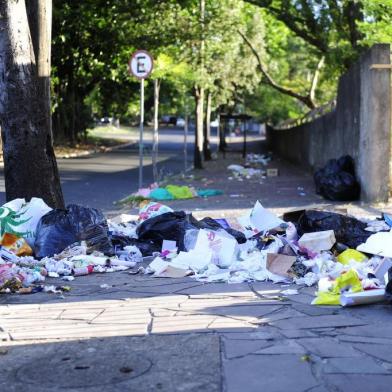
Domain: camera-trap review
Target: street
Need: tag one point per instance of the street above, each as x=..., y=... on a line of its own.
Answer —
x=103, y=178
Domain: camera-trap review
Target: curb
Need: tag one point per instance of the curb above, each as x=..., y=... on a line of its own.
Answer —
x=92, y=152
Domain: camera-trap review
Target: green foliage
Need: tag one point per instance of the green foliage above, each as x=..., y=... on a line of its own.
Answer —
x=93, y=40
x=270, y=106
x=377, y=26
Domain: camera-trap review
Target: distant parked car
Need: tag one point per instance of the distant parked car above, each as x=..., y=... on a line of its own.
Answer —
x=169, y=120
x=106, y=120
x=180, y=122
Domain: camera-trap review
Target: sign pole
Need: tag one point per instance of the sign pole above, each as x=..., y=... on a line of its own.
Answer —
x=141, y=133
x=140, y=65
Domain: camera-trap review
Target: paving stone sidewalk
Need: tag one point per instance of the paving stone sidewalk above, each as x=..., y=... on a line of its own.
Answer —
x=123, y=332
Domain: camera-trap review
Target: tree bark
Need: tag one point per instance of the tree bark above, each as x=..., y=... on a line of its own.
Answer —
x=29, y=163
x=207, y=129
x=199, y=95
x=222, y=136
x=199, y=114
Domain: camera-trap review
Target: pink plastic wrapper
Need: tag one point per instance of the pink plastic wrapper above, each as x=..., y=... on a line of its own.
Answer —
x=151, y=210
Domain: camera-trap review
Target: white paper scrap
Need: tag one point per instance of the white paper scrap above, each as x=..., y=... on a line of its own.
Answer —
x=158, y=265
x=169, y=245
x=379, y=244
x=260, y=218
x=194, y=260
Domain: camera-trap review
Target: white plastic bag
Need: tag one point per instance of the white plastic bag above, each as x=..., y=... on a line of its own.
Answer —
x=21, y=218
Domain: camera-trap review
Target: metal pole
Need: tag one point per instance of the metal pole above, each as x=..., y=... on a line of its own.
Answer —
x=141, y=133
x=155, y=133
x=185, y=142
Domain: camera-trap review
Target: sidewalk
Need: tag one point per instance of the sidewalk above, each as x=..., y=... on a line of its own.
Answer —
x=122, y=332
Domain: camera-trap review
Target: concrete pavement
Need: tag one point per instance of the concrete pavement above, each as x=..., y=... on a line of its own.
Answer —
x=145, y=334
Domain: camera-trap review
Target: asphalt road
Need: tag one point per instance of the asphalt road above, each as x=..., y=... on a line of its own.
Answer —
x=101, y=179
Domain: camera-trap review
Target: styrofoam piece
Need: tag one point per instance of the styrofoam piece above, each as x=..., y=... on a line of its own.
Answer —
x=318, y=240
x=362, y=298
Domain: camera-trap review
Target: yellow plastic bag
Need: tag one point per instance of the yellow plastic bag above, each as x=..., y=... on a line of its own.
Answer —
x=16, y=245
x=180, y=192
x=348, y=281
x=351, y=254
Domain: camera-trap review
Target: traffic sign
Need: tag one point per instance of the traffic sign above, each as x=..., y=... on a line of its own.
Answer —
x=141, y=64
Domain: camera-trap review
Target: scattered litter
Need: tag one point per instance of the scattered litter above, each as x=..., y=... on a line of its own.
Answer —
x=350, y=260
x=170, y=192
x=272, y=172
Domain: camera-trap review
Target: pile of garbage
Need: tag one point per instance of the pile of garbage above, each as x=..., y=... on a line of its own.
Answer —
x=38, y=242
x=252, y=168
x=172, y=192
x=347, y=258
x=350, y=260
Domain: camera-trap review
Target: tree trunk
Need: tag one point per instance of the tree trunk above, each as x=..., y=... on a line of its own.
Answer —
x=155, y=131
x=222, y=136
x=207, y=129
x=199, y=100
x=29, y=163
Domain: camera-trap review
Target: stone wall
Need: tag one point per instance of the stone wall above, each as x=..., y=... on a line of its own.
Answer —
x=360, y=126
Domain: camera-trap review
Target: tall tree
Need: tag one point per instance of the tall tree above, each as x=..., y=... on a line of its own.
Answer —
x=29, y=162
x=199, y=90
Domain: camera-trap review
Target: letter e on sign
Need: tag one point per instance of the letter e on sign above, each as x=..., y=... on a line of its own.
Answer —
x=141, y=64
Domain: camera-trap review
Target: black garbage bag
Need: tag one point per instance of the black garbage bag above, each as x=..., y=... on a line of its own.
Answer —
x=60, y=228
x=348, y=230
x=173, y=226
x=146, y=247
x=170, y=226
x=337, y=181
x=212, y=224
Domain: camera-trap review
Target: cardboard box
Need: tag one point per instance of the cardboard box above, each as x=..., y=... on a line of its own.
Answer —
x=272, y=172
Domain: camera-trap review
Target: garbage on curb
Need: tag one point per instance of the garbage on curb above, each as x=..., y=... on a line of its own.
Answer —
x=349, y=264
x=171, y=192
x=253, y=167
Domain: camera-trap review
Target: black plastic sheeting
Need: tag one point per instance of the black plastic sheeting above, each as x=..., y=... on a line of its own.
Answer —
x=172, y=226
x=348, y=230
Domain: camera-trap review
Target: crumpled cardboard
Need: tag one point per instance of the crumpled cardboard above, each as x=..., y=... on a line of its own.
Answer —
x=279, y=264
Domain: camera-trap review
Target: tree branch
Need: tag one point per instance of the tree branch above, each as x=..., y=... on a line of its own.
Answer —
x=295, y=24
x=305, y=99
x=316, y=76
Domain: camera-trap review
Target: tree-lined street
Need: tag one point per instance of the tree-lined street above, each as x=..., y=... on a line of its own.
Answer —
x=257, y=258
